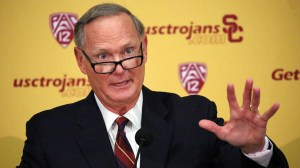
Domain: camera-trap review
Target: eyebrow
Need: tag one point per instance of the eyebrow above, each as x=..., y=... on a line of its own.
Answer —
x=104, y=50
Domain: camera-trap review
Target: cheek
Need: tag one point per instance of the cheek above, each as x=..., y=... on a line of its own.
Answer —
x=97, y=81
x=140, y=75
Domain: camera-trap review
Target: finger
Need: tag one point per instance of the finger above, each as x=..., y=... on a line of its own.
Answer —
x=247, y=93
x=231, y=97
x=255, y=100
x=212, y=127
x=269, y=113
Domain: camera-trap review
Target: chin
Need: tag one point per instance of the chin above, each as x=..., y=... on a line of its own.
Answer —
x=125, y=95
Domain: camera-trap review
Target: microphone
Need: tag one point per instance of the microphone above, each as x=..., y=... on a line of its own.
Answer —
x=143, y=138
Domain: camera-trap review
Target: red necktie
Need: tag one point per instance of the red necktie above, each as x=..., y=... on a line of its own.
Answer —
x=123, y=152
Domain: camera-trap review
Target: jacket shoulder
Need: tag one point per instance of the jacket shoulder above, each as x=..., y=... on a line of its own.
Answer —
x=59, y=110
x=173, y=98
x=64, y=113
x=192, y=104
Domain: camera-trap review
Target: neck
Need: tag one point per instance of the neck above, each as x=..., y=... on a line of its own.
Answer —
x=119, y=108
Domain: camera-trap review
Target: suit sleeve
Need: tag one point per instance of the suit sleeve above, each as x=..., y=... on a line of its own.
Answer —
x=278, y=159
x=33, y=156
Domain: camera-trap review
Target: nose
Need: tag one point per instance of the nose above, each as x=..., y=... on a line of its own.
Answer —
x=119, y=69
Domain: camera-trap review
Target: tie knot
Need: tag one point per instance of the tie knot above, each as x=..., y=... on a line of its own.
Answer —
x=121, y=121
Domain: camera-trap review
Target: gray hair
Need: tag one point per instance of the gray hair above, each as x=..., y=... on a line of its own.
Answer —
x=105, y=9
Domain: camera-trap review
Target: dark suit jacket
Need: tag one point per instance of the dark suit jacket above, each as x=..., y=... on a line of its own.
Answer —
x=74, y=136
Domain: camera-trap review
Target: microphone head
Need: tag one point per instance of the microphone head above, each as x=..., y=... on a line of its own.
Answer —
x=143, y=137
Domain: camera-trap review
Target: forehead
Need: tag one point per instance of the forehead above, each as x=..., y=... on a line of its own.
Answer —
x=110, y=30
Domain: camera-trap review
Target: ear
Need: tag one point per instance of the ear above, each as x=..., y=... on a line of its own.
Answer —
x=79, y=58
x=145, y=49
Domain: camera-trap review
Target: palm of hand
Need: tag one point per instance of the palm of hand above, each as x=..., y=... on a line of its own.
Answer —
x=246, y=128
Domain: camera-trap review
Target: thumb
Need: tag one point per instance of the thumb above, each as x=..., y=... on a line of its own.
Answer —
x=210, y=126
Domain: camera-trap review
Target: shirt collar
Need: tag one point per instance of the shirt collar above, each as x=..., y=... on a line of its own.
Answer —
x=134, y=115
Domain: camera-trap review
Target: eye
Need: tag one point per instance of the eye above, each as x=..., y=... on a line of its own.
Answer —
x=102, y=56
x=129, y=51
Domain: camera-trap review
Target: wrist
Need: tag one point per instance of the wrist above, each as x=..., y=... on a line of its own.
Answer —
x=254, y=148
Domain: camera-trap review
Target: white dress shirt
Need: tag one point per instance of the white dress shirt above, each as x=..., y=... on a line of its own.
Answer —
x=134, y=116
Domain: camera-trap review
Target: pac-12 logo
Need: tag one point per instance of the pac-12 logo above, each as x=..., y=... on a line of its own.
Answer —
x=192, y=76
x=62, y=27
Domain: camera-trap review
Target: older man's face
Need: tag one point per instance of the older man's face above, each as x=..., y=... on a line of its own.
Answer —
x=112, y=38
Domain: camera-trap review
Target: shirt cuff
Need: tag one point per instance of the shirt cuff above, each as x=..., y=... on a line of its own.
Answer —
x=263, y=157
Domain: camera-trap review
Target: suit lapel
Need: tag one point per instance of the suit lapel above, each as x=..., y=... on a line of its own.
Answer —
x=93, y=140
x=155, y=155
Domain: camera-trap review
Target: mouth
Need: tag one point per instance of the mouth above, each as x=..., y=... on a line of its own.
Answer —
x=121, y=84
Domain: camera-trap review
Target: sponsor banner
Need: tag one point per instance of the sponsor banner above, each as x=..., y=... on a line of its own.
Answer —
x=227, y=31
x=67, y=86
x=281, y=74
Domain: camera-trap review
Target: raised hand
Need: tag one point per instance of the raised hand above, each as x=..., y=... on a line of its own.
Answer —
x=246, y=128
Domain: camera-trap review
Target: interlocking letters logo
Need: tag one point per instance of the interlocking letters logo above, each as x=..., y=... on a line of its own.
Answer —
x=62, y=27
x=192, y=76
x=230, y=20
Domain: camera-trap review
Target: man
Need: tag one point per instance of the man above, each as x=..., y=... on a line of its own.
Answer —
x=111, y=49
